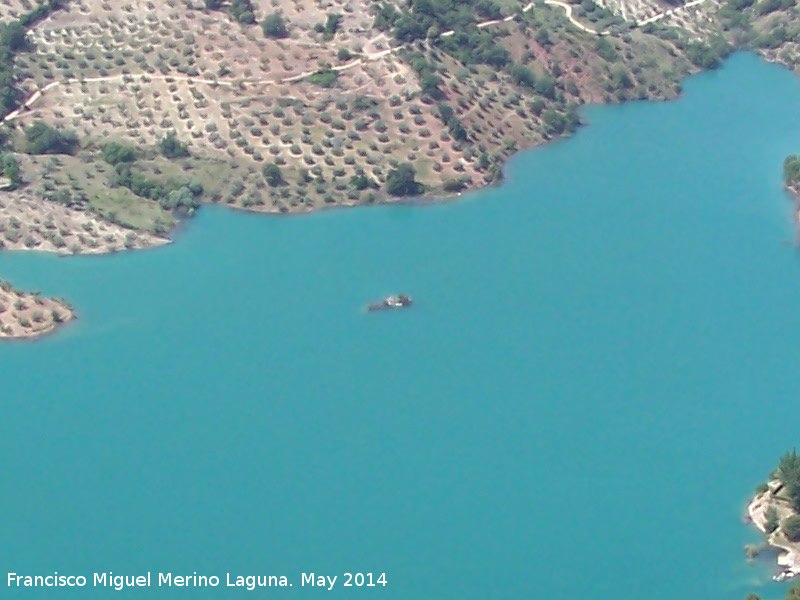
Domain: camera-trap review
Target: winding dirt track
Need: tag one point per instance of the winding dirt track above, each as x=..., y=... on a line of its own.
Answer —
x=369, y=57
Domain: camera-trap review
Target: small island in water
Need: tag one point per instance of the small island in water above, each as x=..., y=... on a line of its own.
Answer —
x=28, y=315
x=775, y=511
x=391, y=302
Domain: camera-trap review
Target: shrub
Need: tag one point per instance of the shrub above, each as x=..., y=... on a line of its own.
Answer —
x=402, y=181
x=171, y=147
x=274, y=26
x=9, y=167
x=324, y=78
x=791, y=528
x=242, y=11
x=522, y=75
x=40, y=138
x=115, y=153
x=273, y=175
x=772, y=521
x=791, y=170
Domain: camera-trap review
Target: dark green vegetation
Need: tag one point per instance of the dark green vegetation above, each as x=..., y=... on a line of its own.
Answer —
x=170, y=195
x=744, y=22
x=273, y=174
x=324, y=78
x=115, y=153
x=9, y=168
x=791, y=171
x=328, y=30
x=429, y=18
x=708, y=56
x=240, y=10
x=12, y=41
x=171, y=147
x=40, y=138
x=788, y=473
x=402, y=181
x=791, y=528
x=274, y=26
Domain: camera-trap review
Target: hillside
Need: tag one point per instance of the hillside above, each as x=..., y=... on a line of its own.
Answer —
x=121, y=118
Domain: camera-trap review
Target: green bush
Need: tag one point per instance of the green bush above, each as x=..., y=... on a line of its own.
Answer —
x=9, y=167
x=772, y=520
x=273, y=175
x=40, y=138
x=274, y=26
x=791, y=170
x=242, y=11
x=331, y=26
x=324, y=77
x=791, y=528
x=605, y=49
x=402, y=181
x=115, y=153
x=708, y=56
x=171, y=147
x=522, y=75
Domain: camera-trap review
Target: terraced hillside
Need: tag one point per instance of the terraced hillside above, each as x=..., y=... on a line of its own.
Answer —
x=121, y=118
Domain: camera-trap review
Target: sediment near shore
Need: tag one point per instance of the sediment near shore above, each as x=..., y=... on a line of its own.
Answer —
x=757, y=513
x=27, y=315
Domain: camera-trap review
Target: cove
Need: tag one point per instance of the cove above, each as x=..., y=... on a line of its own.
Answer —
x=600, y=365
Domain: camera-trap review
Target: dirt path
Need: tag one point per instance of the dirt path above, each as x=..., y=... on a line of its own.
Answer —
x=578, y=24
x=669, y=12
x=359, y=61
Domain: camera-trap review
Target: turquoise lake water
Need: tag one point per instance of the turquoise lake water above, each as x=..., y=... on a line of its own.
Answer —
x=602, y=364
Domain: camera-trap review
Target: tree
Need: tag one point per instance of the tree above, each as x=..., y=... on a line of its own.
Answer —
x=708, y=56
x=10, y=169
x=12, y=36
x=554, y=121
x=213, y=4
x=360, y=181
x=242, y=11
x=457, y=129
x=324, y=77
x=788, y=472
x=445, y=112
x=605, y=49
x=791, y=170
x=171, y=147
x=40, y=138
x=115, y=153
x=343, y=54
x=522, y=75
x=273, y=174
x=274, y=26
x=543, y=37
x=430, y=82
x=401, y=181
x=772, y=519
x=331, y=26
x=791, y=528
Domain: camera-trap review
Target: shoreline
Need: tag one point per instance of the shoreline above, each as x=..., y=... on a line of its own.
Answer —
x=788, y=558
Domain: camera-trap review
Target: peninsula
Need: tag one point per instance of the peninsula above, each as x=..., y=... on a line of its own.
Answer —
x=118, y=120
x=775, y=511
